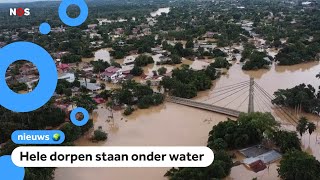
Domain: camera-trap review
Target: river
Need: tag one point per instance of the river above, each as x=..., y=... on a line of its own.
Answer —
x=175, y=125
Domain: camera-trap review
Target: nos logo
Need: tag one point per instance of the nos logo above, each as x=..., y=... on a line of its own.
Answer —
x=19, y=12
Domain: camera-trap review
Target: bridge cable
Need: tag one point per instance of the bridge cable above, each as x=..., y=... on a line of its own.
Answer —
x=259, y=106
x=275, y=111
x=232, y=85
x=224, y=90
x=242, y=102
x=229, y=95
x=270, y=98
x=258, y=103
x=236, y=88
x=262, y=99
x=235, y=98
x=267, y=95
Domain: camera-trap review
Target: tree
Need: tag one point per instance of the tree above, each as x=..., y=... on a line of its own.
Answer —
x=103, y=86
x=302, y=126
x=162, y=71
x=219, y=144
x=136, y=71
x=247, y=130
x=256, y=61
x=212, y=72
x=100, y=135
x=99, y=66
x=176, y=59
x=71, y=132
x=302, y=95
x=311, y=127
x=129, y=110
x=190, y=44
x=286, y=141
x=143, y=60
x=71, y=58
x=299, y=165
x=221, y=62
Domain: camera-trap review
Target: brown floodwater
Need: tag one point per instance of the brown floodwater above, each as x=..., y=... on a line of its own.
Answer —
x=175, y=125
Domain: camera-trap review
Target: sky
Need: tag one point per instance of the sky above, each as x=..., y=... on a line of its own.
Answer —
x=21, y=1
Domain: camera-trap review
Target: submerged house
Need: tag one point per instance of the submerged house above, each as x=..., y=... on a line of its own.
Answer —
x=111, y=73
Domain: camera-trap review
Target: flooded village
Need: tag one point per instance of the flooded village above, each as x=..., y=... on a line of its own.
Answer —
x=143, y=53
x=176, y=125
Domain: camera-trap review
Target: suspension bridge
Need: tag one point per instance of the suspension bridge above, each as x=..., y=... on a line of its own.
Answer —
x=228, y=99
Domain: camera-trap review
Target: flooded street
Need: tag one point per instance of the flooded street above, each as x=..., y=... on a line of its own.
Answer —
x=175, y=125
x=102, y=54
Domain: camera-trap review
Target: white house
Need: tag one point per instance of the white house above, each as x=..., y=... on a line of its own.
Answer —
x=70, y=77
x=129, y=60
x=111, y=73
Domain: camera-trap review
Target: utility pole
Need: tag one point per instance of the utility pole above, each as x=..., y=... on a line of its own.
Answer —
x=251, y=96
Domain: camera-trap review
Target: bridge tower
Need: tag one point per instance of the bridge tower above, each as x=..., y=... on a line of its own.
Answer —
x=251, y=96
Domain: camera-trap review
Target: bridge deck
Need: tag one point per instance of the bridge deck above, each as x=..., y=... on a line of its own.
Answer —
x=199, y=105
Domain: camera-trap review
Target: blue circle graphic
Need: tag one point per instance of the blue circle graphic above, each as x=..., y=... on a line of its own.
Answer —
x=45, y=28
x=48, y=77
x=73, y=21
x=74, y=119
x=8, y=170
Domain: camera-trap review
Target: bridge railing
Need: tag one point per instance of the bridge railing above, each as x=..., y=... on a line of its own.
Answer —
x=209, y=107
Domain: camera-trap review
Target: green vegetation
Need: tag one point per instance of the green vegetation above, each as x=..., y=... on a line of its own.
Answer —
x=298, y=52
x=64, y=87
x=129, y=110
x=71, y=58
x=299, y=165
x=132, y=93
x=162, y=71
x=176, y=59
x=99, y=135
x=85, y=101
x=99, y=66
x=136, y=71
x=247, y=130
x=304, y=95
x=47, y=116
x=303, y=126
x=143, y=60
x=256, y=61
x=221, y=62
x=16, y=87
x=186, y=83
x=286, y=141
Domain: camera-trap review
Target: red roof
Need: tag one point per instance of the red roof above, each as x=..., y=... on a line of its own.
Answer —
x=112, y=69
x=257, y=166
x=63, y=66
x=99, y=100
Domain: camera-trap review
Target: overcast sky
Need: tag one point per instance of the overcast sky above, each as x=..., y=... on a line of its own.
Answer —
x=22, y=1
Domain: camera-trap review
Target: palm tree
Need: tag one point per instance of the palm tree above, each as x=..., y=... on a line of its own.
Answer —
x=311, y=128
x=302, y=126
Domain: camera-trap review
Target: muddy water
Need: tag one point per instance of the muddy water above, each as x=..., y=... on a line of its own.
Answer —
x=102, y=54
x=172, y=124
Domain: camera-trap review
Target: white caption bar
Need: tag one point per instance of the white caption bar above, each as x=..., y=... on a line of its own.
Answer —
x=139, y=156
